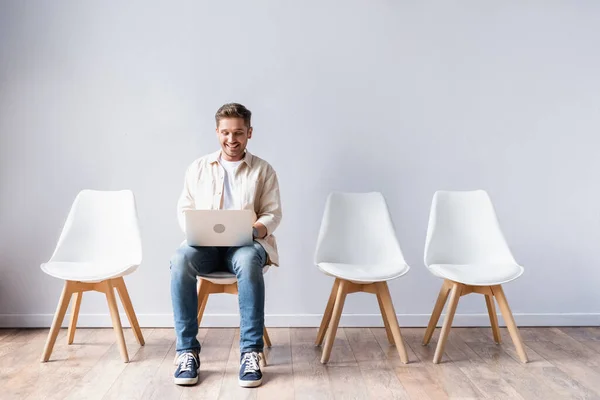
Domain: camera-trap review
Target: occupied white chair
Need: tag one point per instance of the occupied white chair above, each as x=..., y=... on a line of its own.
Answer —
x=223, y=282
x=357, y=245
x=99, y=244
x=465, y=247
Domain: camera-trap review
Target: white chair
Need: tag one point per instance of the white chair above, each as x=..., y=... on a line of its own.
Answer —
x=465, y=247
x=224, y=282
x=99, y=244
x=357, y=245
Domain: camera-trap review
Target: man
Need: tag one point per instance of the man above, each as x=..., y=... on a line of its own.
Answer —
x=230, y=178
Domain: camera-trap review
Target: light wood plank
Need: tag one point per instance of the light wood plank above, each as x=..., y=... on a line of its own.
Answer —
x=583, y=334
x=513, y=372
x=20, y=368
x=419, y=384
x=57, y=382
x=381, y=381
x=6, y=333
x=364, y=345
x=484, y=377
x=447, y=377
x=216, y=347
x=161, y=385
x=134, y=379
x=535, y=360
x=278, y=377
x=230, y=388
x=565, y=364
x=586, y=375
x=391, y=355
x=347, y=383
x=310, y=376
x=99, y=379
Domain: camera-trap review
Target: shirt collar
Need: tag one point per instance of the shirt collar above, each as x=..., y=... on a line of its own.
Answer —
x=214, y=157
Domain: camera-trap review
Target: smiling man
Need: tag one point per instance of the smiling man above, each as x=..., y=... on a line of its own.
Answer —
x=233, y=179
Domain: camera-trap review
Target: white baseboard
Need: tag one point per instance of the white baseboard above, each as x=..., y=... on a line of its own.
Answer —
x=301, y=320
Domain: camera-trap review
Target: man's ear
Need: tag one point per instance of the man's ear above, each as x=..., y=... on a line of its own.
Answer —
x=249, y=132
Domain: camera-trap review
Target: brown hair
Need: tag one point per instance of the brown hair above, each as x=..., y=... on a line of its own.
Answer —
x=233, y=110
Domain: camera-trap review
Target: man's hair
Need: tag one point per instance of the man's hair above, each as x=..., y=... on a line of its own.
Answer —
x=233, y=110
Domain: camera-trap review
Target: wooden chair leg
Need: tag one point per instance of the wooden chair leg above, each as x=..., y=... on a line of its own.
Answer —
x=262, y=360
x=203, y=292
x=119, y=283
x=59, y=316
x=116, y=321
x=333, y=325
x=74, y=314
x=454, y=297
x=390, y=313
x=327, y=313
x=266, y=337
x=510, y=322
x=388, y=332
x=437, y=311
x=491, y=307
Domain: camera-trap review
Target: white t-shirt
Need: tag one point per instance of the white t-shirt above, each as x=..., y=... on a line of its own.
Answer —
x=230, y=199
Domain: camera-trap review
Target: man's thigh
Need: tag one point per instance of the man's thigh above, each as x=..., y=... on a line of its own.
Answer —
x=203, y=260
x=253, y=255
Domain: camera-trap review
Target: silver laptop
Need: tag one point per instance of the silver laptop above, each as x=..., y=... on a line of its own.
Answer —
x=219, y=227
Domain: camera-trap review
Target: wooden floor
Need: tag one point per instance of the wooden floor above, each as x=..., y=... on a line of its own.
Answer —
x=565, y=364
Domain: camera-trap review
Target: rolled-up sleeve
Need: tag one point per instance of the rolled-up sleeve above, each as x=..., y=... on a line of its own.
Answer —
x=269, y=208
x=186, y=199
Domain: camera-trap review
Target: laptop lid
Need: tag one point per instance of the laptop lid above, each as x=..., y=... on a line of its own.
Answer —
x=219, y=227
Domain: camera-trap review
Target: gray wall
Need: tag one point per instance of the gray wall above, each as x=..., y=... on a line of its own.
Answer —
x=400, y=97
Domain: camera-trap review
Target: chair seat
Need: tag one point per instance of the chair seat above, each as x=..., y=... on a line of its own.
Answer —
x=225, y=277
x=86, y=271
x=477, y=274
x=364, y=273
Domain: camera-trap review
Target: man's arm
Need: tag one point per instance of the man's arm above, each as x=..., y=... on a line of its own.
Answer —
x=186, y=199
x=269, y=210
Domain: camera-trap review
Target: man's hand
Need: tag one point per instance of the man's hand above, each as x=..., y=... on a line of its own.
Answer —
x=259, y=231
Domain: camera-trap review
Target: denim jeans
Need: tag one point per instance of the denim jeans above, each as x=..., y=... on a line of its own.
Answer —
x=246, y=263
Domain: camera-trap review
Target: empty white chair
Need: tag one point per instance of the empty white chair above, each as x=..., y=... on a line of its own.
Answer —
x=465, y=247
x=99, y=244
x=357, y=245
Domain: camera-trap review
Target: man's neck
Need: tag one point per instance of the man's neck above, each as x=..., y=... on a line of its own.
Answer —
x=225, y=157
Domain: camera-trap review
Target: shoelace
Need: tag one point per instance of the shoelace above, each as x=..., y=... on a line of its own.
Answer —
x=251, y=360
x=186, y=361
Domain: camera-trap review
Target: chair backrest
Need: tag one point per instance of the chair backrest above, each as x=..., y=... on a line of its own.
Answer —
x=102, y=226
x=357, y=229
x=464, y=229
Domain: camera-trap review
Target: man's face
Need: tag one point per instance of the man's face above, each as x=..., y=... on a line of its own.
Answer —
x=233, y=135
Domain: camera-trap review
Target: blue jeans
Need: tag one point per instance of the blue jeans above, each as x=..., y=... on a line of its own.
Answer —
x=246, y=263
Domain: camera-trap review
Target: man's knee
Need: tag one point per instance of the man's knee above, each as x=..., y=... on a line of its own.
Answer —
x=249, y=261
x=180, y=262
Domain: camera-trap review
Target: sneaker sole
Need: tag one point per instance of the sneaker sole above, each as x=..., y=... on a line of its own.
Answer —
x=185, y=381
x=250, y=384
